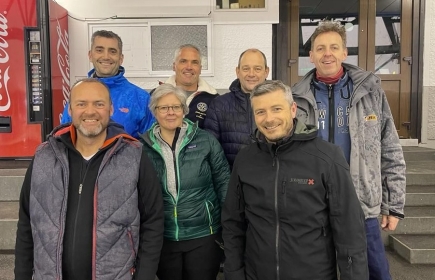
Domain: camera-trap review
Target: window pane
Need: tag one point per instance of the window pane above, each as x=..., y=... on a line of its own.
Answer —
x=387, y=56
x=313, y=11
x=166, y=38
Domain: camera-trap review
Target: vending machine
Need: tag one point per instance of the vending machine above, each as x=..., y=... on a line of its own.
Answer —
x=34, y=73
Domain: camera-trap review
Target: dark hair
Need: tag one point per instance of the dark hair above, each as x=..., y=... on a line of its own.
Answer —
x=252, y=50
x=269, y=86
x=107, y=34
x=89, y=80
x=329, y=26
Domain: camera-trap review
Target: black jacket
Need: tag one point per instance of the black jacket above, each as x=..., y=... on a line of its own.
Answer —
x=289, y=208
x=230, y=120
x=77, y=239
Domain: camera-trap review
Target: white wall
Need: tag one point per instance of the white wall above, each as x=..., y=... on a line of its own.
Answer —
x=228, y=41
x=428, y=110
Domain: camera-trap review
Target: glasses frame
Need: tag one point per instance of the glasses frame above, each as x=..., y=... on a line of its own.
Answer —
x=159, y=108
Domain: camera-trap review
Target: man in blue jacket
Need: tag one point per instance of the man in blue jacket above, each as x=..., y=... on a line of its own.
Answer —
x=229, y=116
x=130, y=102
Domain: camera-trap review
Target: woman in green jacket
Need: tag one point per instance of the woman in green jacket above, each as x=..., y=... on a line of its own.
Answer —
x=194, y=174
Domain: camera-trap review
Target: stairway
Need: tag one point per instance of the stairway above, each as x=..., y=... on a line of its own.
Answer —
x=414, y=237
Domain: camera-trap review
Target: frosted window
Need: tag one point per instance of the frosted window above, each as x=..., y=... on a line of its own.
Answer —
x=165, y=39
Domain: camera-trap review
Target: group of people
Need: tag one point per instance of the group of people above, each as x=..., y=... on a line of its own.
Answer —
x=287, y=183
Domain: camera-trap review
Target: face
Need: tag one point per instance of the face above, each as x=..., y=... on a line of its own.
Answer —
x=169, y=120
x=252, y=71
x=187, y=69
x=90, y=109
x=273, y=115
x=328, y=53
x=106, y=56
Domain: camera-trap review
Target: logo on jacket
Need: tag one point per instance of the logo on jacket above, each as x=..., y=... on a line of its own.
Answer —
x=371, y=117
x=124, y=110
x=202, y=106
x=302, y=181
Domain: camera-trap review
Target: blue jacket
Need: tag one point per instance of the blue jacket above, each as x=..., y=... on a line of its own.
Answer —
x=230, y=120
x=130, y=104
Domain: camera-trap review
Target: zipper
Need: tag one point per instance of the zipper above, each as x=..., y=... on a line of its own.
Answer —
x=210, y=219
x=78, y=207
x=331, y=109
x=350, y=266
x=275, y=160
x=283, y=190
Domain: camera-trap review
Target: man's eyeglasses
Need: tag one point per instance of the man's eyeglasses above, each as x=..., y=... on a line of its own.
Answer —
x=165, y=109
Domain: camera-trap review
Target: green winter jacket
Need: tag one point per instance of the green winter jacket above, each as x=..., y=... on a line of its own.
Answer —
x=202, y=175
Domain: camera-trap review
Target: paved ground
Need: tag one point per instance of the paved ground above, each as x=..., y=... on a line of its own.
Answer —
x=400, y=269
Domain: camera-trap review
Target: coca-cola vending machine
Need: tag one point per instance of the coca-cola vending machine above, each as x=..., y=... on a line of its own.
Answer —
x=34, y=73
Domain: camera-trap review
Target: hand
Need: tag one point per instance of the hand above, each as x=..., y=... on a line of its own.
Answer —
x=389, y=223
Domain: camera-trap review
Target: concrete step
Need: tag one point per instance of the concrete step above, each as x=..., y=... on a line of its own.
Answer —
x=420, y=173
x=418, y=154
x=415, y=248
x=8, y=224
x=11, y=181
x=418, y=220
x=420, y=196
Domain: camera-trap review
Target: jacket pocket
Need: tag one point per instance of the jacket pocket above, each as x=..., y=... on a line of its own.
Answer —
x=209, y=206
x=356, y=266
x=133, y=251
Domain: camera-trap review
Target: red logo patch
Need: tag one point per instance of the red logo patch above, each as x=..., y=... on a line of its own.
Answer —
x=310, y=181
x=124, y=110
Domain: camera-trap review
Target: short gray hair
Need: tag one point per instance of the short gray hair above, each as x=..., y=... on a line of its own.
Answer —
x=271, y=86
x=165, y=89
x=178, y=50
x=109, y=35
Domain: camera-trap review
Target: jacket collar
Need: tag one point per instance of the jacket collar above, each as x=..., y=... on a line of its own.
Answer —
x=203, y=86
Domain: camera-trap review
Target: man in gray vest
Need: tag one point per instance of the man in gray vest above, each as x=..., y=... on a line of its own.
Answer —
x=91, y=205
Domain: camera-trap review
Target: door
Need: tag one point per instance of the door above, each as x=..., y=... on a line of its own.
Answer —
x=375, y=29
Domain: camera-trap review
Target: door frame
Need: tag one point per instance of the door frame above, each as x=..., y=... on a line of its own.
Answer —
x=282, y=54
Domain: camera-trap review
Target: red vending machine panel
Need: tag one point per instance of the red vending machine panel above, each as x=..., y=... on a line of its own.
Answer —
x=59, y=51
x=34, y=73
x=18, y=136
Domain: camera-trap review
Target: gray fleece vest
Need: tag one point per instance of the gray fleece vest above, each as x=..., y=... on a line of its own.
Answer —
x=116, y=214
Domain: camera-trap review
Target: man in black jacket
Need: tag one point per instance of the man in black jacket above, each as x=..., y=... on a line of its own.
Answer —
x=91, y=205
x=229, y=116
x=291, y=210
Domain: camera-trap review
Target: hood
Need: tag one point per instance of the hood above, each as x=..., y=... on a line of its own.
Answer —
x=359, y=77
x=118, y=78
x=202, y=85
x=150, y=138
x=301, y=132
x=114, y=131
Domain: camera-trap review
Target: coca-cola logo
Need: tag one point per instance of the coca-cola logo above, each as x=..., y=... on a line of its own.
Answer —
x=63, y=62
x=5, y=100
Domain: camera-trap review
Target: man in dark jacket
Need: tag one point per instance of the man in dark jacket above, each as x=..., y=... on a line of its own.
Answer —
x=91, y=205
x=291, y=210
x=229, y=116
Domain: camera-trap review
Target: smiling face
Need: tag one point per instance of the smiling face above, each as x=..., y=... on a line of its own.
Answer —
x=328, y=53
x=90, y=109
x=106, y=56
x=187, y=69
x=169, y=120
x=273, y=115
x=252, y=70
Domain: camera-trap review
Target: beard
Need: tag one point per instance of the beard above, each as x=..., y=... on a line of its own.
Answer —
x=91, y=132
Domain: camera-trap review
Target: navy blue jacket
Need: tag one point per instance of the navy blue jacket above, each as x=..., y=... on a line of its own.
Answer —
x=230, y=120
